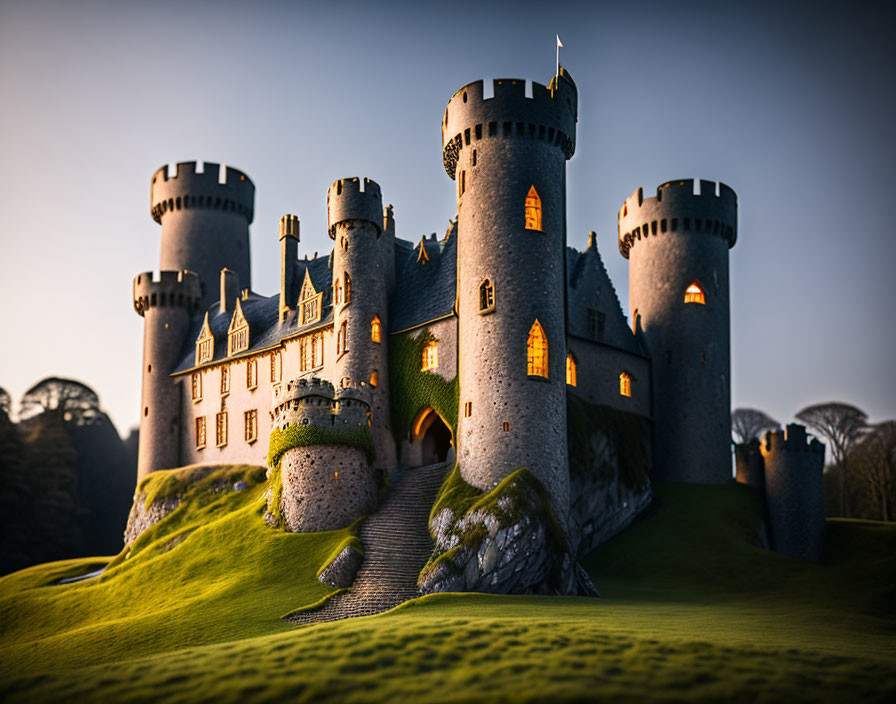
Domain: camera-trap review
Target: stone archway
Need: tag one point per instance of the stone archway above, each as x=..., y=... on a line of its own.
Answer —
x=431, y=439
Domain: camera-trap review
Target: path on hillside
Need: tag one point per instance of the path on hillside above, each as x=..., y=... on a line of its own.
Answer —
x=396, y=544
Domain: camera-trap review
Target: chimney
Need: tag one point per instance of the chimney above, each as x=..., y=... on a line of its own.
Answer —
x=289, y=254
x=230, y=290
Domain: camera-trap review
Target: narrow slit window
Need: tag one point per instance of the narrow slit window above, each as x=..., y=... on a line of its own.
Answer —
x=341, y=338
x=347, y=293
x=468, y=409
x=221, y=429
x=486, y=296
x=625, y=384
x=506, y=426
x=252, y=374
x=694, y=294
x=570, y=370
x=376, y=328
x=251, y=425
x=537, y=351
x=374, y=378
x=196, y=386
x=276, y=367
x=225, y=380
x=200, y=432
x=533, y=210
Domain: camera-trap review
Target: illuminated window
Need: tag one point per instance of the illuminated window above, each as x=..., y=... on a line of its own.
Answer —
x=252, y=374
x=251, y=425
x=276, y=367
x=348, y=288
x=237, y=332
x=694, y=294
x=340, y=339
x=625, y=384
x=376, y=329
x=205, y=343
x=221, y=429
x=570, y=370
x=225, y=380
x=486, y=296
x=537, y=351
x=430, y=357
x=533, y=210
x=506, y=426
x=200, y=432
x=196, y=386
x=374, y=378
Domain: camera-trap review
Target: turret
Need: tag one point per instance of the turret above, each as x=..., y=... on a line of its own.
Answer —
x=793, y=488
x=205, y=223
x=749, y=466
x=677, y=246
x=361, y=275
x=507, y=155
x=166, y=304
x=327, y=482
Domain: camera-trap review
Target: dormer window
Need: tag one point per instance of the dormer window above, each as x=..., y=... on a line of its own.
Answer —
x=205, y=344
x=537, y=351
x=309, y=302
x=430, y=359
x=237, y=332
x=376, y=333
x=486, y=296
x=694, y=294
x=533, y=210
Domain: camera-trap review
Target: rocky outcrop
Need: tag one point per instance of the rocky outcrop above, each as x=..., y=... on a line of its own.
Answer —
x=143, y=517
x=508, y=543
x=341, y=571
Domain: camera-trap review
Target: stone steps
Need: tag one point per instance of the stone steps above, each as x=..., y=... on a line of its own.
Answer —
x=396, y=546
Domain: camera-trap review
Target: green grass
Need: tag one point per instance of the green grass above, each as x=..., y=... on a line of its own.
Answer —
x=693, y=609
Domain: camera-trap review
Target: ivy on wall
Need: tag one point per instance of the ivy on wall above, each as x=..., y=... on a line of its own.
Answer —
x=412, y=389
x=309, y=435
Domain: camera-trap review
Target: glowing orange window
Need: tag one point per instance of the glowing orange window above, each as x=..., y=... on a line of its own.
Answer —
x=694, y=294
x=376, y=329
x=430, y=357
x=570, y=370
x=533, y=210
x=625, y=384
x=537, y=351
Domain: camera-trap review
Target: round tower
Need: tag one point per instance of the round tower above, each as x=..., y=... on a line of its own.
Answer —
x=793, y=490
x=748, y=464
x=507, y=154
x=166, y=303
x=205, y=223
x=677, y=246
x=326, y=477
x=361, y=276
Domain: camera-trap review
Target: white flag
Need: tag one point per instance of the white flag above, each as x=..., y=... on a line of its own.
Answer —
x=559, y=43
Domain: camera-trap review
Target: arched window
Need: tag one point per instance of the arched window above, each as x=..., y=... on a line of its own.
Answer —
x=694, y=294
x=533, y=210
x=340, y=339
x=486, y=296
x=348, y=288
x=570, y=369
x=537, y=351
x=625, y=384
x=430, y=359
x=374, y=378
x=376, y=329
x=337, y=292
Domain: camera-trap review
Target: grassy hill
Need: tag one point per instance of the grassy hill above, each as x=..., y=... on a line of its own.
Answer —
x=693, y=609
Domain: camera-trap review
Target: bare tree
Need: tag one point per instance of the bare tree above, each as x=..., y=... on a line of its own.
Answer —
x=841, y=425
x=749, y=423
x=74, y=401
x=5, y=401
x=873, y=461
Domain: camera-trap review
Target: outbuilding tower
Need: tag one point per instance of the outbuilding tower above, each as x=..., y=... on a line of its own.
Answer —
x=362, y=276
x=166, y=304
x=507, y=154
x=205, y=223
x=677, y=246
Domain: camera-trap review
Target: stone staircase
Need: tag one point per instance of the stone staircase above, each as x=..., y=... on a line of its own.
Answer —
x=396, y=546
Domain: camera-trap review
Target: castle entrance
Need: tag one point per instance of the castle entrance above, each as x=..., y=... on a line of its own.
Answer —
x=432, y=437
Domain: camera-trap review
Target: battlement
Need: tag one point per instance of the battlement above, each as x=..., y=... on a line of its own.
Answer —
x=792, y=439
x=677, y=207
x=289, y=226
x=550, y=114
x=168, y=289
x=192, y=189
x=354, y=199
x=315, y=402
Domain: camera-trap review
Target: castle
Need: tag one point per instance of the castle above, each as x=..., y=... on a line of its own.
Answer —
x=500, y=305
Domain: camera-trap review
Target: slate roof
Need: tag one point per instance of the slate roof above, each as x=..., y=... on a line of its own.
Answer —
x=424, y=289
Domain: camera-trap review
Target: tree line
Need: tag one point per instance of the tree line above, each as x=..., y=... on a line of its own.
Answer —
x=66, y=477
x=860, y=479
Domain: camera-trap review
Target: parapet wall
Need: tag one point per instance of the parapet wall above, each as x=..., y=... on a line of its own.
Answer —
x=793, y=487
x=549, y=115
x=316, y=402
x=190, y=189
x=677, y=208
x=170, y=288
x=354, y=199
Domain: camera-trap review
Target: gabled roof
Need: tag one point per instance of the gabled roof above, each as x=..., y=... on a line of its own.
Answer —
x=425, y=281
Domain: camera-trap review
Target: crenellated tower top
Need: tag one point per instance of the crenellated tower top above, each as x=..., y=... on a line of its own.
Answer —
x=677, y=207
x=190, y=188
x=170, y=289
x=354, y=199
x=548, y=113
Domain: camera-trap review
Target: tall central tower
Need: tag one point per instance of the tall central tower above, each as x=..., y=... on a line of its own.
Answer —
x=507, y=154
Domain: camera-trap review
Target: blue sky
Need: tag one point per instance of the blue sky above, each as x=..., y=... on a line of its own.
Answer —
x=791, y=104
